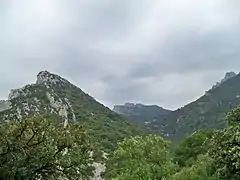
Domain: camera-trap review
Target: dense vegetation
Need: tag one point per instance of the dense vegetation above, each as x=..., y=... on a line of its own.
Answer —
x=141, y=158
x=35, y=148
x=104, y=126
x=206, y=155
x=38, y=148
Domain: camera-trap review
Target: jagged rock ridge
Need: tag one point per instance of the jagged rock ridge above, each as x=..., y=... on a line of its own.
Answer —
x=227, y=76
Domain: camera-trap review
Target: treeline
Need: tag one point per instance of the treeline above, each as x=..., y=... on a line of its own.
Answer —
x=37, y=149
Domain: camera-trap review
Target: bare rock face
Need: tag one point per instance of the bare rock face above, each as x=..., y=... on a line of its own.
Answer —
x=228, y=76
x=99, y=169
x=14, y=93
x=62, y=106
x=46, y=78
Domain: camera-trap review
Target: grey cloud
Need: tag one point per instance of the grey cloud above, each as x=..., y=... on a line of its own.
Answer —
x=118, y=51
x=213, y=51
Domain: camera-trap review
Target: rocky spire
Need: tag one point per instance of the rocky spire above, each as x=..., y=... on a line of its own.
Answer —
x=47, y=78
x=228, y=76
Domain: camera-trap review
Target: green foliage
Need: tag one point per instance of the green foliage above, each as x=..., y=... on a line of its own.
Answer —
x=141, y=158
x=226, y=148
x=105, y=127
x=188, y=150
x=34, y=148
x=233, y=117
x=226, y=153
x=202, y=169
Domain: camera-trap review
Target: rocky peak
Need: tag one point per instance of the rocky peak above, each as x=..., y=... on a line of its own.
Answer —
x=228, y=76
x=47, y=78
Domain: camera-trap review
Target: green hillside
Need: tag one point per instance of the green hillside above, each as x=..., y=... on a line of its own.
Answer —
x=55, y=97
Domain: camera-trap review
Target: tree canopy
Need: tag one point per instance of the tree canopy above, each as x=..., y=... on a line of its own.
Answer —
x=36, y=149
x=141, y=158
x=226, y=148
x=188, y=150
x=202, y=169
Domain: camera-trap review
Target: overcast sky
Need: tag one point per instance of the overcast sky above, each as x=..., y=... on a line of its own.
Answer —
x=165, y=52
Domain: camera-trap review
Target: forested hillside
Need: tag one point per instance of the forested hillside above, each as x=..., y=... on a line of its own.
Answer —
x=64, y=104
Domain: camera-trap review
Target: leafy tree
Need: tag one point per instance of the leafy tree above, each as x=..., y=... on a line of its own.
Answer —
x=188, y=150
x=226, y=148
x=141, y=158
x=202, y=169
x=233, y=118
x=36, y=149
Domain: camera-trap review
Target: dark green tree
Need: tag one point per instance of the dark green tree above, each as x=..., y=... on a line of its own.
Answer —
x=202, y=169
x=226, y=148
x=188, y=150
x=34, y=148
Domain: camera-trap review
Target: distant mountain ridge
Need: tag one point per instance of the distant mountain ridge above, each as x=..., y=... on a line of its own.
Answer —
x=209, y=111
x=140, y=113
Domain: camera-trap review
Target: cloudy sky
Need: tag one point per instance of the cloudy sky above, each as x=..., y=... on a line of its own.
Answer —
x=165, y=52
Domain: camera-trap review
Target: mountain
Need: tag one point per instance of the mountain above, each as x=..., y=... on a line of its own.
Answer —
x=207, y=112
x=228, y=76
x=139, y=113
x=55, y=97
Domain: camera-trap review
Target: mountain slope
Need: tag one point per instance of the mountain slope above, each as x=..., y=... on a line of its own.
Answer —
x=139, y=113
x=65, y=103
x=208, y=112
